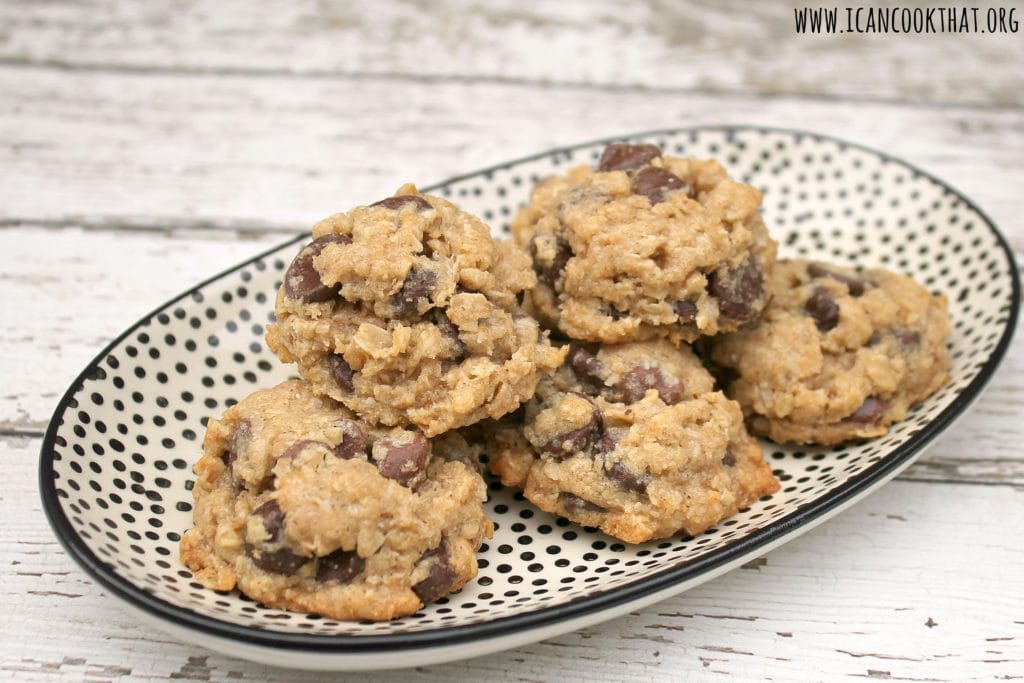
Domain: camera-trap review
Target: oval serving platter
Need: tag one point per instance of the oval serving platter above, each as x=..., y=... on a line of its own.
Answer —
x=115, y=468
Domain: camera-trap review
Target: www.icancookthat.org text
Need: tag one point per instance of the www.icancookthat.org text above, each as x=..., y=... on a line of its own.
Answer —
x=912, y=20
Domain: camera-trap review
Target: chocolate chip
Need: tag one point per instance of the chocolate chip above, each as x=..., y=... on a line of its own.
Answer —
x=728, y=459
x=686, y=310
x=302, y=281
x=451, y=333
x=624, y=157
x=273, y=518
x=587, y=368
x=870, y=410
x=440, y=577
x=628, y=480
x=575, y=505
x=853, y=285
x=418, y=285
x=396, y=203
x=655, y=183
x=353, y=442
x=607, y=443
x=403, y=461
x=299, y=446
x=823, y=308
x=578, y=440
x=634, y=384
x=738, y=290
x=908, y=339
x=340, y=566
x=551, y=273
x=281, y=561
x=229, y=458
x=341, y=371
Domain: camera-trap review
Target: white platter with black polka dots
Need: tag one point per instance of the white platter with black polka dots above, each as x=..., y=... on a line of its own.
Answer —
x=115, y=468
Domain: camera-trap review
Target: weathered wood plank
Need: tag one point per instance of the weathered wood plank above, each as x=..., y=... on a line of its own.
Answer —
x=920, y=581
x=721, y=47
x=151, y=150
x=97, y=282
x=72, y=291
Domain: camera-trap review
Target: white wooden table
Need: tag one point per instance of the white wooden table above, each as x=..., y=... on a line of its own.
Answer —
x=144, y=146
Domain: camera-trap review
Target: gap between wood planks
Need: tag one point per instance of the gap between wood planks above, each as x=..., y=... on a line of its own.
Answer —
x=223, y=229
x=486, y=79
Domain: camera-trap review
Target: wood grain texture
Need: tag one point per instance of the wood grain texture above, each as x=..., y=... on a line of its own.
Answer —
x=157, y=150
x=655, y=45
x=95, y=283
x=904, y=583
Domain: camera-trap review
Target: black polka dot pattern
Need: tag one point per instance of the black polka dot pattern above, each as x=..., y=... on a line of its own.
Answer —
x=128, y=435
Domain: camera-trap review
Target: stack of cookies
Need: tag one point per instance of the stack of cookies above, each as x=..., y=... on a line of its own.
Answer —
x=355, y=492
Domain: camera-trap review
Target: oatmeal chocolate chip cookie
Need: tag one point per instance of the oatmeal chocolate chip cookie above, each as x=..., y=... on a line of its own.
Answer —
x=837, y=355
x=633, y=439
x=303, y=506
x=407, y=311
x=646, y=246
